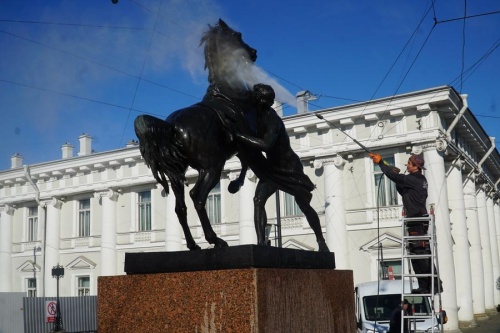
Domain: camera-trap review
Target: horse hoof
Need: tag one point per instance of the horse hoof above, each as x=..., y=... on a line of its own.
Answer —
x=220, y=243
x=323, y=247
x=194, y=248
x=234, y=186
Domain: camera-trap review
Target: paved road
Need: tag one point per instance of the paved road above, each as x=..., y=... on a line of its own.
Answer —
x=491, y=325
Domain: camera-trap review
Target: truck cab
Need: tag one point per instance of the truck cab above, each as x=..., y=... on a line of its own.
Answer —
x=375, y=302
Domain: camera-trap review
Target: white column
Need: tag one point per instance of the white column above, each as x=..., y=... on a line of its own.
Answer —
x=484, y=231
x=461, y=249
x=438, y=195
x=52, y=239
x=173, y=229
x=336, y=231
x=246, y=216
x=6, y=212
x=108, y=232
x=42, y=220
x=476, y=257
x=494, y=248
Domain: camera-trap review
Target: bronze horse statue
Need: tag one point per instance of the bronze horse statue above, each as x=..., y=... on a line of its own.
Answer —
x=196, y=136
x=202, y=137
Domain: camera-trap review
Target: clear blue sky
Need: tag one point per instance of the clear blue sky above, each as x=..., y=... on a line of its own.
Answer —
x=88, y=66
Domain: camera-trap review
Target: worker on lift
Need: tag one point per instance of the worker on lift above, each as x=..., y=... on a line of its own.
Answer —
x=413, y=189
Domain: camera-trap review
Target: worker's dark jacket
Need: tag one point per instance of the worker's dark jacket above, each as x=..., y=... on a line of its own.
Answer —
x=411, y=187
x=395, y=323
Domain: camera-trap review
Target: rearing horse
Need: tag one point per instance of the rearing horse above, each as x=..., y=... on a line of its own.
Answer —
x=202, y=136
x=197, y=136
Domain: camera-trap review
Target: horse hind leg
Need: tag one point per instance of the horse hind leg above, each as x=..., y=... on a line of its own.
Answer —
x=181, y=211
x=199, y=194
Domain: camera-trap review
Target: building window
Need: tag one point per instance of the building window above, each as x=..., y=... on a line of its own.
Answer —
x=290, y=205
x=31, y=287
x=83, y=286
x=144, y=217
x=32, y=224
x=386, y=266
x=385, y=189
x=213, y=205
x=84, y=218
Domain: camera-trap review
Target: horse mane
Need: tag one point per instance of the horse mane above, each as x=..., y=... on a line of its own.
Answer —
x=219, y=43
x=208, y=38
x=225, y=52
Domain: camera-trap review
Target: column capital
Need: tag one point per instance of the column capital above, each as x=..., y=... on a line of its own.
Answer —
x=485, y=187
x=440, y=145
x=458, y=162
x=57, y=203
x=417, y=150
x=338, y=161
x=7, y=208
x=109, y=193
x=233, y=175
x=248, y=175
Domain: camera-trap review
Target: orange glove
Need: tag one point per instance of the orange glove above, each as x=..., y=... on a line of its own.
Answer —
x=375, y=157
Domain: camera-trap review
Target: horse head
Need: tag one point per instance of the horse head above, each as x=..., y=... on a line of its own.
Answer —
x=228, y=58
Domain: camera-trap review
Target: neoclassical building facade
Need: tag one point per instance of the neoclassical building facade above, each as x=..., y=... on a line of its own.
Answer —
x=86, y=210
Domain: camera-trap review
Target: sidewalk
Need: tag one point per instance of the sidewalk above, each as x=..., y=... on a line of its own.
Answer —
x=491, y=325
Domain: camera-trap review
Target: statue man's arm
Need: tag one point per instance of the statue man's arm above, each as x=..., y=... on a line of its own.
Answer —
x=268, y=139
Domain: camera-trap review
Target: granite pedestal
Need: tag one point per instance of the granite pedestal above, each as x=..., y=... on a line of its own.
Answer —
x=224, y=295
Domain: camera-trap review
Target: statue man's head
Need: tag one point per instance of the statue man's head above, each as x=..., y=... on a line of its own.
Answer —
x=263, y=94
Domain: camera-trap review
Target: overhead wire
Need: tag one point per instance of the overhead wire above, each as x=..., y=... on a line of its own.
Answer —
x=469, y=17
x=73, y=96
x=140, y=75
x=100, y=26
x=488, y=53
x=472, y=68
x=393, y=65
x=281, y=78
x=435, y=23
x=79, y=57
x=461, y=75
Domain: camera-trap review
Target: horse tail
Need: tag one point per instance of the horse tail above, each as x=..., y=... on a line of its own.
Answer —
x=160, y=150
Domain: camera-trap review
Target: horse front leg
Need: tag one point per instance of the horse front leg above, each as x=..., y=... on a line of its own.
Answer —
x=235, y=185
x=199, y=194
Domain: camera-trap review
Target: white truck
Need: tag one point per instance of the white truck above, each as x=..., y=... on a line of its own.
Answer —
x=375, y=302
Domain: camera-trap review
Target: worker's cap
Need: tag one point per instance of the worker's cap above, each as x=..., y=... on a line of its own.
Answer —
x=418, y=161
x=406, y=301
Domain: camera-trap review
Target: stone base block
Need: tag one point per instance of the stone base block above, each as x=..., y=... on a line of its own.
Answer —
x=253, y=300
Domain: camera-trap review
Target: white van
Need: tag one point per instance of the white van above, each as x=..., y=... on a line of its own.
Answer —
x=376, y=300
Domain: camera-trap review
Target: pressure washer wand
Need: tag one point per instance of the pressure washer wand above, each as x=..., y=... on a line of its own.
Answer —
x=396, y=169
x=353, y=139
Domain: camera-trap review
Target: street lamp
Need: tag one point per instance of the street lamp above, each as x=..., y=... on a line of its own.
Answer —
x=58, y=272
x=35, y=250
